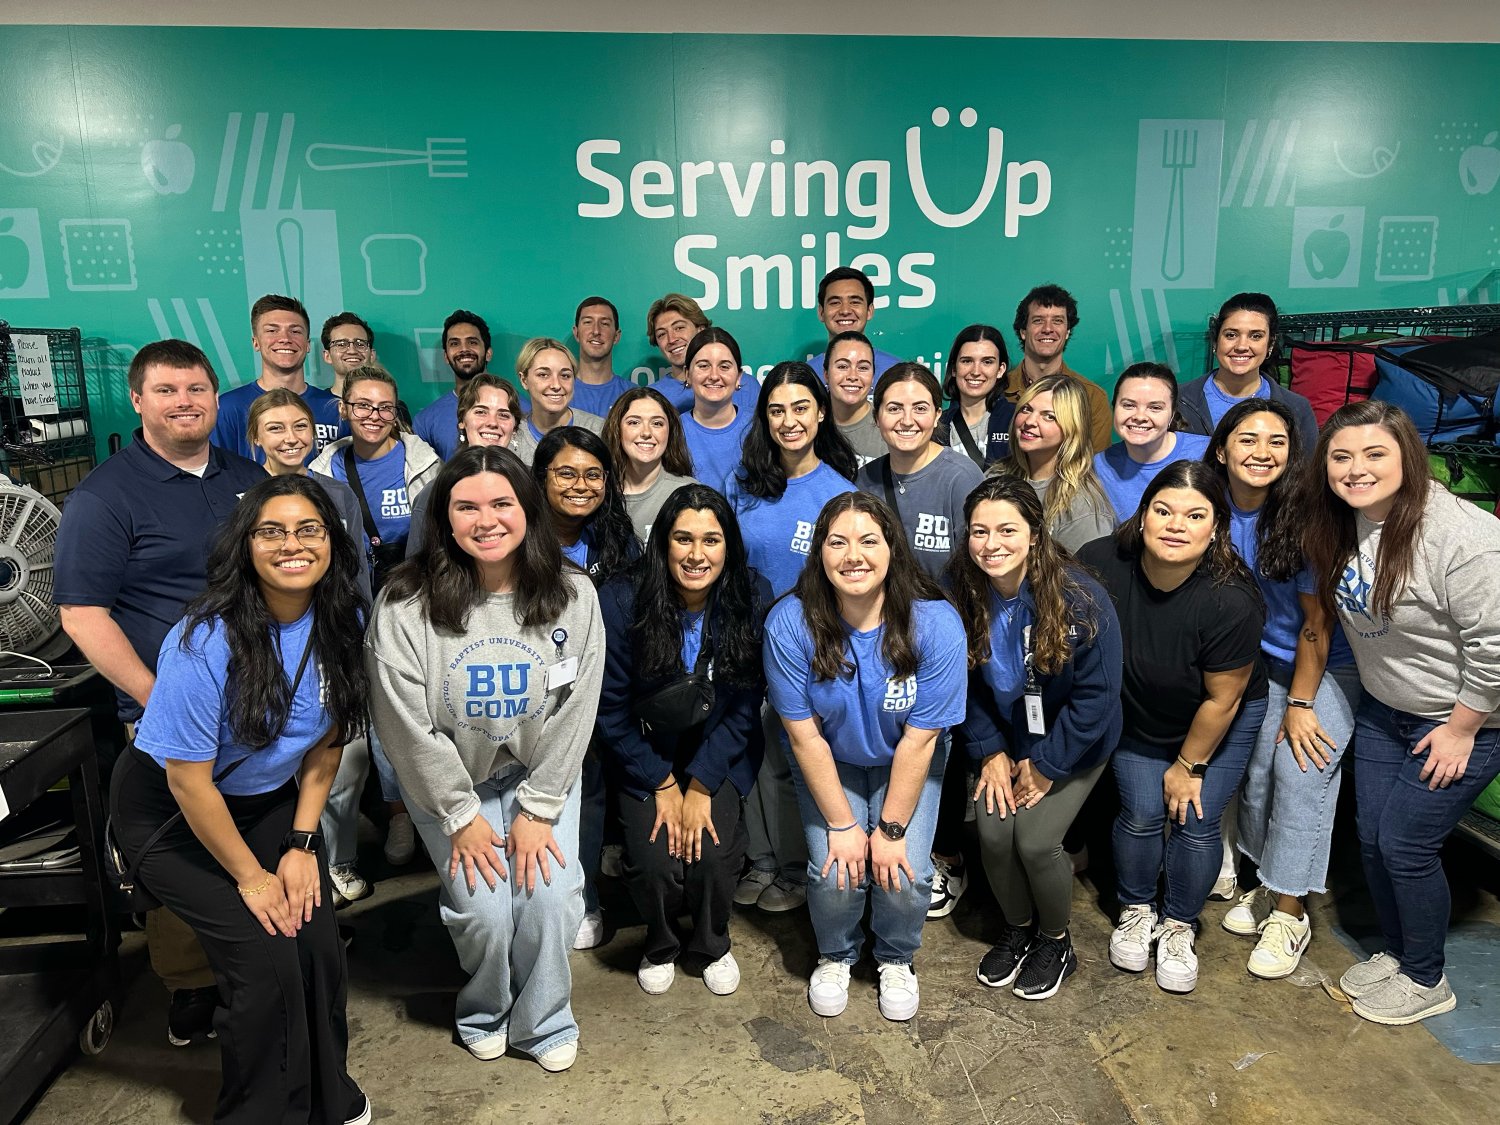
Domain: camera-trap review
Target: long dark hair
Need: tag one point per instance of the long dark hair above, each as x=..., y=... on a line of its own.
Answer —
x=1222, y=560
x=761, y=473
x=446, y=580
x=736, y=620
x=675, y=458
x=976, y=334
x=1050, y=571
x=905, y=584
x=258, y=690
x=1278, y=530
x=610, y=524
x=1331, y=535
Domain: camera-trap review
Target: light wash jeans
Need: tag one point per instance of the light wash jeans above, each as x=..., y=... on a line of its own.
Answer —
x=896, y=917
x=390, y=788
x=513, y=945
x=773, y=824
x=1286, y=816
x=340, y=820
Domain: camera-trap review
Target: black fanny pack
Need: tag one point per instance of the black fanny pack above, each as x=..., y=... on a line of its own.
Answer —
x=686, y=701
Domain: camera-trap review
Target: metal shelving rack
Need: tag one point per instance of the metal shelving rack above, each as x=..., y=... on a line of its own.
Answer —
x=50, y=453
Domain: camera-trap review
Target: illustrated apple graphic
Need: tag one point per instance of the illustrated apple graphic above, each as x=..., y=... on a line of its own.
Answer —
x=168, y=163
x=1479, y=167
x=15, y=256
x=1326, y=251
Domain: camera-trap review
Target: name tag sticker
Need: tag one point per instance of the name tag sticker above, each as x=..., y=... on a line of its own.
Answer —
x=1036, y=722
x=562, y=673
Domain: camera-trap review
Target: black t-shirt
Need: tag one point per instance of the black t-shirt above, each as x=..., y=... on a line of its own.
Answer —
x=1171, y=639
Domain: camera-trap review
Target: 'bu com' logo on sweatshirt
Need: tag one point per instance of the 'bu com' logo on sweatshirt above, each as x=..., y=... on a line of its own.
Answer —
x=802, y=538
x=900, y=695
x=933, y=533
x=494, y=686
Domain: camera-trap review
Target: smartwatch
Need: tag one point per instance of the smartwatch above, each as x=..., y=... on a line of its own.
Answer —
x=1305, y=704
x=303, y=842
x=1195, y=769
x=893, y=830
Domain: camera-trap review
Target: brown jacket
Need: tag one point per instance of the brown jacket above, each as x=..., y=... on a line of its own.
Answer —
x=1101, y=413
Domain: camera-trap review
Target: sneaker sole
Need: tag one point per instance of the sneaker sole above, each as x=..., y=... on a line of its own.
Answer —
x=720, y=990
x=1068, y=970
x=487, y=1053
x=1238, y=928
x=828, y=1011
x=1279, y=973
x=1129, y=966
x=900, y=1015
x=661, y=991
x=781, y=908
x=741, y=898
x=1180, y=987
x=1415, y=1017
x=943, y=909
x=1006, y=982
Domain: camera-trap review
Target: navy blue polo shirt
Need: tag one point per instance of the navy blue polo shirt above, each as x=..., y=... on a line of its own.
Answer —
x=234, y=418
x=135, y=538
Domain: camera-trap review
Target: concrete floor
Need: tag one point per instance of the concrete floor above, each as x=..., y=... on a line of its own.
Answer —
x=1108, y=1048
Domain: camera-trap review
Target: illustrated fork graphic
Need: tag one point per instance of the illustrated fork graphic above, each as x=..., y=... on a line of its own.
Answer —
x=445, y=157
x=1179, y=152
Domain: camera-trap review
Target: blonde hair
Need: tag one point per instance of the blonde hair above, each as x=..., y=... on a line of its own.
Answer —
x=273, y=399
x=1074, y=474
x=536, y=346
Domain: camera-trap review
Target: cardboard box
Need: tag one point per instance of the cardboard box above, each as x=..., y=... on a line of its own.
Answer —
x=55, y=481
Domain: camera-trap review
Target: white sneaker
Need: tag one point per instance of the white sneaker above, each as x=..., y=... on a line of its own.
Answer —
x=612, y=861
x=348, y=885
x=400, y=840
x=750, y=886
x=558, y=1058
x=828, y=990
x=1283, y=939
x=590, y=931
x=1225, y=888
x=949, y=882
x=1130, y=944
x=490, y=1047
x=782, y=896
x=655, y=979
x=722, y=976
x=898, y=992
x=1176, y=963
x=1250, y=914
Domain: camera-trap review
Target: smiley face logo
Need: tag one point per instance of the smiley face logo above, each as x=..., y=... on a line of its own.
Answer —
x=1016, y=176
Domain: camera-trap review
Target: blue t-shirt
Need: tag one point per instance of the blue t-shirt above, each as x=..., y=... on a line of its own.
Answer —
x=692, y=639
x=778, y=533
x=597, y=398
x=135, y=537
x=437, y=425
x=384, y=482
x=578, y=552
x=864, y=714
x=187, y=718
x=883, y=362
x=234, y=417
x=1125, y=481
x=1005, y=671
x=680, y=395
x=716, y=453
x=1219, y=403
x=1283, y=607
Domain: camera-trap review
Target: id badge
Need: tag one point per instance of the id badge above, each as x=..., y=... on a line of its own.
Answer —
x=1036, y=722
x=563, y=673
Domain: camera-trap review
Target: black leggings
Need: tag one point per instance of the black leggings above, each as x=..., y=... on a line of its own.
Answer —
x=283, y=1037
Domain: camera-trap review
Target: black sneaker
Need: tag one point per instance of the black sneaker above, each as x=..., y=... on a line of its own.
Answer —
x=1050, y=962
x=1001, y=964
x=361, y=1112
x=190, y=1019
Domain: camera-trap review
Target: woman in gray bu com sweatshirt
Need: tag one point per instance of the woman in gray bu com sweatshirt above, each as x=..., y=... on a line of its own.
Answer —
x=1411, y=572
x=485, y=661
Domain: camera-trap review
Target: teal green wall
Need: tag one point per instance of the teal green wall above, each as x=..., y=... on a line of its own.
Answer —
x=154, y=181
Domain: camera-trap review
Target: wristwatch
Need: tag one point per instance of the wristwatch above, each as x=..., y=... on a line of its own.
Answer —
x=1195, y=769
x=303, y=842
x=893, y=829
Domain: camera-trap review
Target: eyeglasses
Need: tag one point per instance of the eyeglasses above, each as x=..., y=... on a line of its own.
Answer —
x=349, y=346
x=385, y=410
x=308, y=534
x=566, y=474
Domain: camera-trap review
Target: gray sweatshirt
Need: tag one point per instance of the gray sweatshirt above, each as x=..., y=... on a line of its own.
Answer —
x=1441, y=642
x=454, y=711
x=643, y=506
x=1087, y=518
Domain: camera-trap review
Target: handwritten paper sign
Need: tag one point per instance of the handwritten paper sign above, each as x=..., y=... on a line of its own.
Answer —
x=34, y=374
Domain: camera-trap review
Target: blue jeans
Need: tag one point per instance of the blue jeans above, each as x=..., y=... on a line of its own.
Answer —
x=1192, y=852
x=896, y=917
x=340, y=820
x=390, y=788
x=1286, y=816
x=1402, y=826
x=513, y=945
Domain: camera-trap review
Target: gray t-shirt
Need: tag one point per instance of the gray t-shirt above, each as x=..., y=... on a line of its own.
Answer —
x=643, y=506
x=1087, y=518
x=865, y=437
x=930, y=503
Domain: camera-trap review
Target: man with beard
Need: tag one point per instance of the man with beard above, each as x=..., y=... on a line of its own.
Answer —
x=132, y=551
x=280, y=333
x=466, y=347
x=1045, y=319
x=596, y=327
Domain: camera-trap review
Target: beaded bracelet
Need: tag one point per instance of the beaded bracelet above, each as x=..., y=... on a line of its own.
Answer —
x=257, y=889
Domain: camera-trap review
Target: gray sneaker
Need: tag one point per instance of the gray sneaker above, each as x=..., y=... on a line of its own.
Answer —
x=1401, y=1000
x=1367, y=976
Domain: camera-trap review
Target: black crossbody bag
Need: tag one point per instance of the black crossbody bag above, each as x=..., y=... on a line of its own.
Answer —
x=686, y=701
x=384, y=557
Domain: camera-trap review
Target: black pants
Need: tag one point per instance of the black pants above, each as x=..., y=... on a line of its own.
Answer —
x=664, y=888
x=283, y=1036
